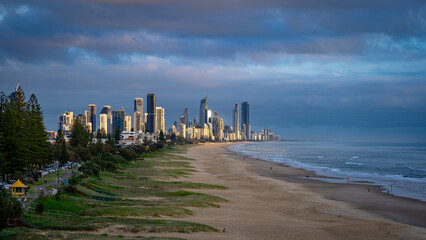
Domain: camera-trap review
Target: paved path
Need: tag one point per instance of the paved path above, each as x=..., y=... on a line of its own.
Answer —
x=66, y=175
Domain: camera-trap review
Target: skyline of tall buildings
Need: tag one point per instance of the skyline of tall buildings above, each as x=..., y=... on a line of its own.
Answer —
x=211, y=126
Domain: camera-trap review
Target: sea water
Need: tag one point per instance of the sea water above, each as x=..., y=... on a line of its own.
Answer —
x=399, y=168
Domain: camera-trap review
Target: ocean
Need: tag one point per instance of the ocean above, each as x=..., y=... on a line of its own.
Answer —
x=399, y=168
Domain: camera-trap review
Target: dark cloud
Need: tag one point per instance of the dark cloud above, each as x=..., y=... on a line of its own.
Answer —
x=108, y=29
x=308, y=65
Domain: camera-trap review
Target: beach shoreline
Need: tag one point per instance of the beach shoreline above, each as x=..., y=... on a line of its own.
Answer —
x=267, y=201
x=370, y=198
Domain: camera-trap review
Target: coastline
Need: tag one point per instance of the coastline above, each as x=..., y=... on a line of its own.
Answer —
x=400, y=209
x=267, y=203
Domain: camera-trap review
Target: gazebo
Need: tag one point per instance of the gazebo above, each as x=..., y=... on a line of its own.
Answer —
x=18, y=189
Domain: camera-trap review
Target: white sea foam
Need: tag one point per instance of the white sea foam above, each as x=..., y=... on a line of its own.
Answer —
x=354, y=163
x=414, y=187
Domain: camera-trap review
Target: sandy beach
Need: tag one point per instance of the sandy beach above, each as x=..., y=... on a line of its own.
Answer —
x=272, y=201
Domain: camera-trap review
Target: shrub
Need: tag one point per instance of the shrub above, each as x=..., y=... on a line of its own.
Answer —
x=110, y=166
x=90, y=168
x=70, y=189
x=119, y=159
x=58, y=195
x=128, y=154
x=39, y=208
x=76, y=179
x=10, y=209
x=108, y=157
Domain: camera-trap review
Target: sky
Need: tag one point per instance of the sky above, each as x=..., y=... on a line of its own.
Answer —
x=311, y=69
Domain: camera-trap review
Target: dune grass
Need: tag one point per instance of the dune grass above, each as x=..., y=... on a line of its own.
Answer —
x=140, y=191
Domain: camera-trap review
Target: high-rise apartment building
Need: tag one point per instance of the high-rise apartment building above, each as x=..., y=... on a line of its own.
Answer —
x=138, y=116
x=89, y=127
x=203, y=110
x=92, y=116
x=103, y=123
x=245, y=119
x=137, y=121
x=185, y=116
x=235, y=120
x=160, y=125
x=65, y=121
x=128, y=123
x=138, y=105
x=209, y=116
x=107, y=110
x=216, y=126
x=151, y=110
x=82, y=118
x=118, y=119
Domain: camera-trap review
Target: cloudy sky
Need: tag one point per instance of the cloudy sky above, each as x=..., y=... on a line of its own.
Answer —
x=311, y=69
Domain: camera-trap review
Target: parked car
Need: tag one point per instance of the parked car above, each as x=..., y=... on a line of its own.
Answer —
x=4, y=186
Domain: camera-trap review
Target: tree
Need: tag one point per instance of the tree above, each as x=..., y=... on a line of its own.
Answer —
x=10, y=209
x=162, y=139
x=110, y=141
x=15, y=143
x=61, y=147
x=38, y=145
x=3, y=161
x=23, y=138
x=59, y=137
x=79, y=136
x=117, y=133
x=39, y=208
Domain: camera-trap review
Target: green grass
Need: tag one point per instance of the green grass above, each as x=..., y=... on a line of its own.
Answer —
x=64, y=204
x=21, y=234
x=31, y=234
x=87, y=236
x=142, y=189
x=79, y=223
x=138, y=211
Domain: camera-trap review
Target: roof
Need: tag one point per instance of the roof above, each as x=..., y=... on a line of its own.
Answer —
x=18, y=184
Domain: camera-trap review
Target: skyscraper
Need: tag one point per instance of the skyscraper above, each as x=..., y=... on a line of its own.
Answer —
x=185, y=116
x=65, y=121
x=138, y=114
x=160, y=125
x=245, y=119
x=235, y=120
x=103, y=123
x=203, y=109
x=216, y=126
x=150, y=109
x=82, y=118
x=209, y=116
x=128, y=123
x=138, y=105
x=118, y=119
x=92, y=116
x=107, y=110
x=137, y=121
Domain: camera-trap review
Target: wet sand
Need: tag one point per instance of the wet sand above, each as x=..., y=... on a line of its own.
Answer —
x=400, y=209
x=280, y=203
